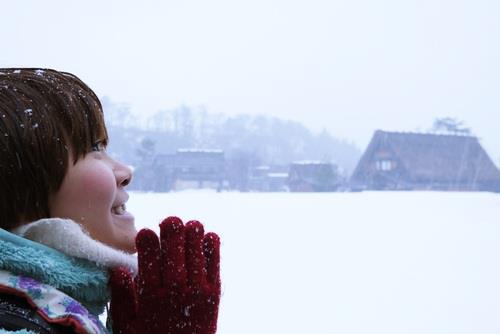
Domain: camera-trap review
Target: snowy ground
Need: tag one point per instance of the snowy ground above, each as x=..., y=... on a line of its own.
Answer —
x=372, y=262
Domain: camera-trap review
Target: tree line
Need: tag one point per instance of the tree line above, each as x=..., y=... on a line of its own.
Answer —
x=250, y=139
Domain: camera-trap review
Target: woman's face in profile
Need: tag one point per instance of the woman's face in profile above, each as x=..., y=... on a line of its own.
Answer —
x=93, y=195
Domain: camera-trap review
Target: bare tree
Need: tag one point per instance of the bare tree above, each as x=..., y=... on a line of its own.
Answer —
x=450, y=125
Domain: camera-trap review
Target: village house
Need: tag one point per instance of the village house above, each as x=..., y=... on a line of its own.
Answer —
x=416, y=161
x=191, y=169
x=268, y=178
x=312, y=176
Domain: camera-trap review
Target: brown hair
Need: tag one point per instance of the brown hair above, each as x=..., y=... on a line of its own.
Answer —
x=46, y=117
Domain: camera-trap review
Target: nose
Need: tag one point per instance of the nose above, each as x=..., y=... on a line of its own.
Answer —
x=123, y=174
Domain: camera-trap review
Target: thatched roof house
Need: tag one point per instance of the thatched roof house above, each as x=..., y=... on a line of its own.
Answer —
x=396, y=160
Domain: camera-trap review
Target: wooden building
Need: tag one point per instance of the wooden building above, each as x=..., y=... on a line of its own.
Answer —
x=312, y=176
x=415, y=161
x=268, y=179
x=191, y=169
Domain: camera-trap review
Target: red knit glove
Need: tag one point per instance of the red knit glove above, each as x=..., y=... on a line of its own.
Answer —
x=177, y=288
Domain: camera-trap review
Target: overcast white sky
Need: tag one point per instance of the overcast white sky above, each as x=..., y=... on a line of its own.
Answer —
x=350, y=66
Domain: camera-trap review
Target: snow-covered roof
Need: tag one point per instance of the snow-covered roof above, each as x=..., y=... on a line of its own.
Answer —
x=199, y=150
x=309, y=162
x=278, y=175
x=431, y=157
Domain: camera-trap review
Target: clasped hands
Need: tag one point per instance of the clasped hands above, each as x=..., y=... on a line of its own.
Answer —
x=177, y=288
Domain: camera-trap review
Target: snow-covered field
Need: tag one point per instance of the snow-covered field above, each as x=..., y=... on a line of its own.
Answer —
x=371, y=262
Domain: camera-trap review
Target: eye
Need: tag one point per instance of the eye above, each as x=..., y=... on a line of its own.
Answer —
x=98, y=146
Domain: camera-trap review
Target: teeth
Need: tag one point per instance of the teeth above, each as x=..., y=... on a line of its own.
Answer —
x=119, y=210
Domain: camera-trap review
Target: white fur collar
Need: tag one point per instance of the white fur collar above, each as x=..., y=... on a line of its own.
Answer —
x=70, y=238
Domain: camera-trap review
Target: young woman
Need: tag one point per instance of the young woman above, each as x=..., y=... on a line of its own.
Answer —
x=65, y=229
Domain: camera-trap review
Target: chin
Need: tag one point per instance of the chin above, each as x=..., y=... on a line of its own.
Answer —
x=127, y=243
x=124, y=234
x=130, y=249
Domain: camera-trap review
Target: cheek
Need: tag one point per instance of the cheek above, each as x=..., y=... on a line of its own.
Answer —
x=98, y=184
x=88, y=190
